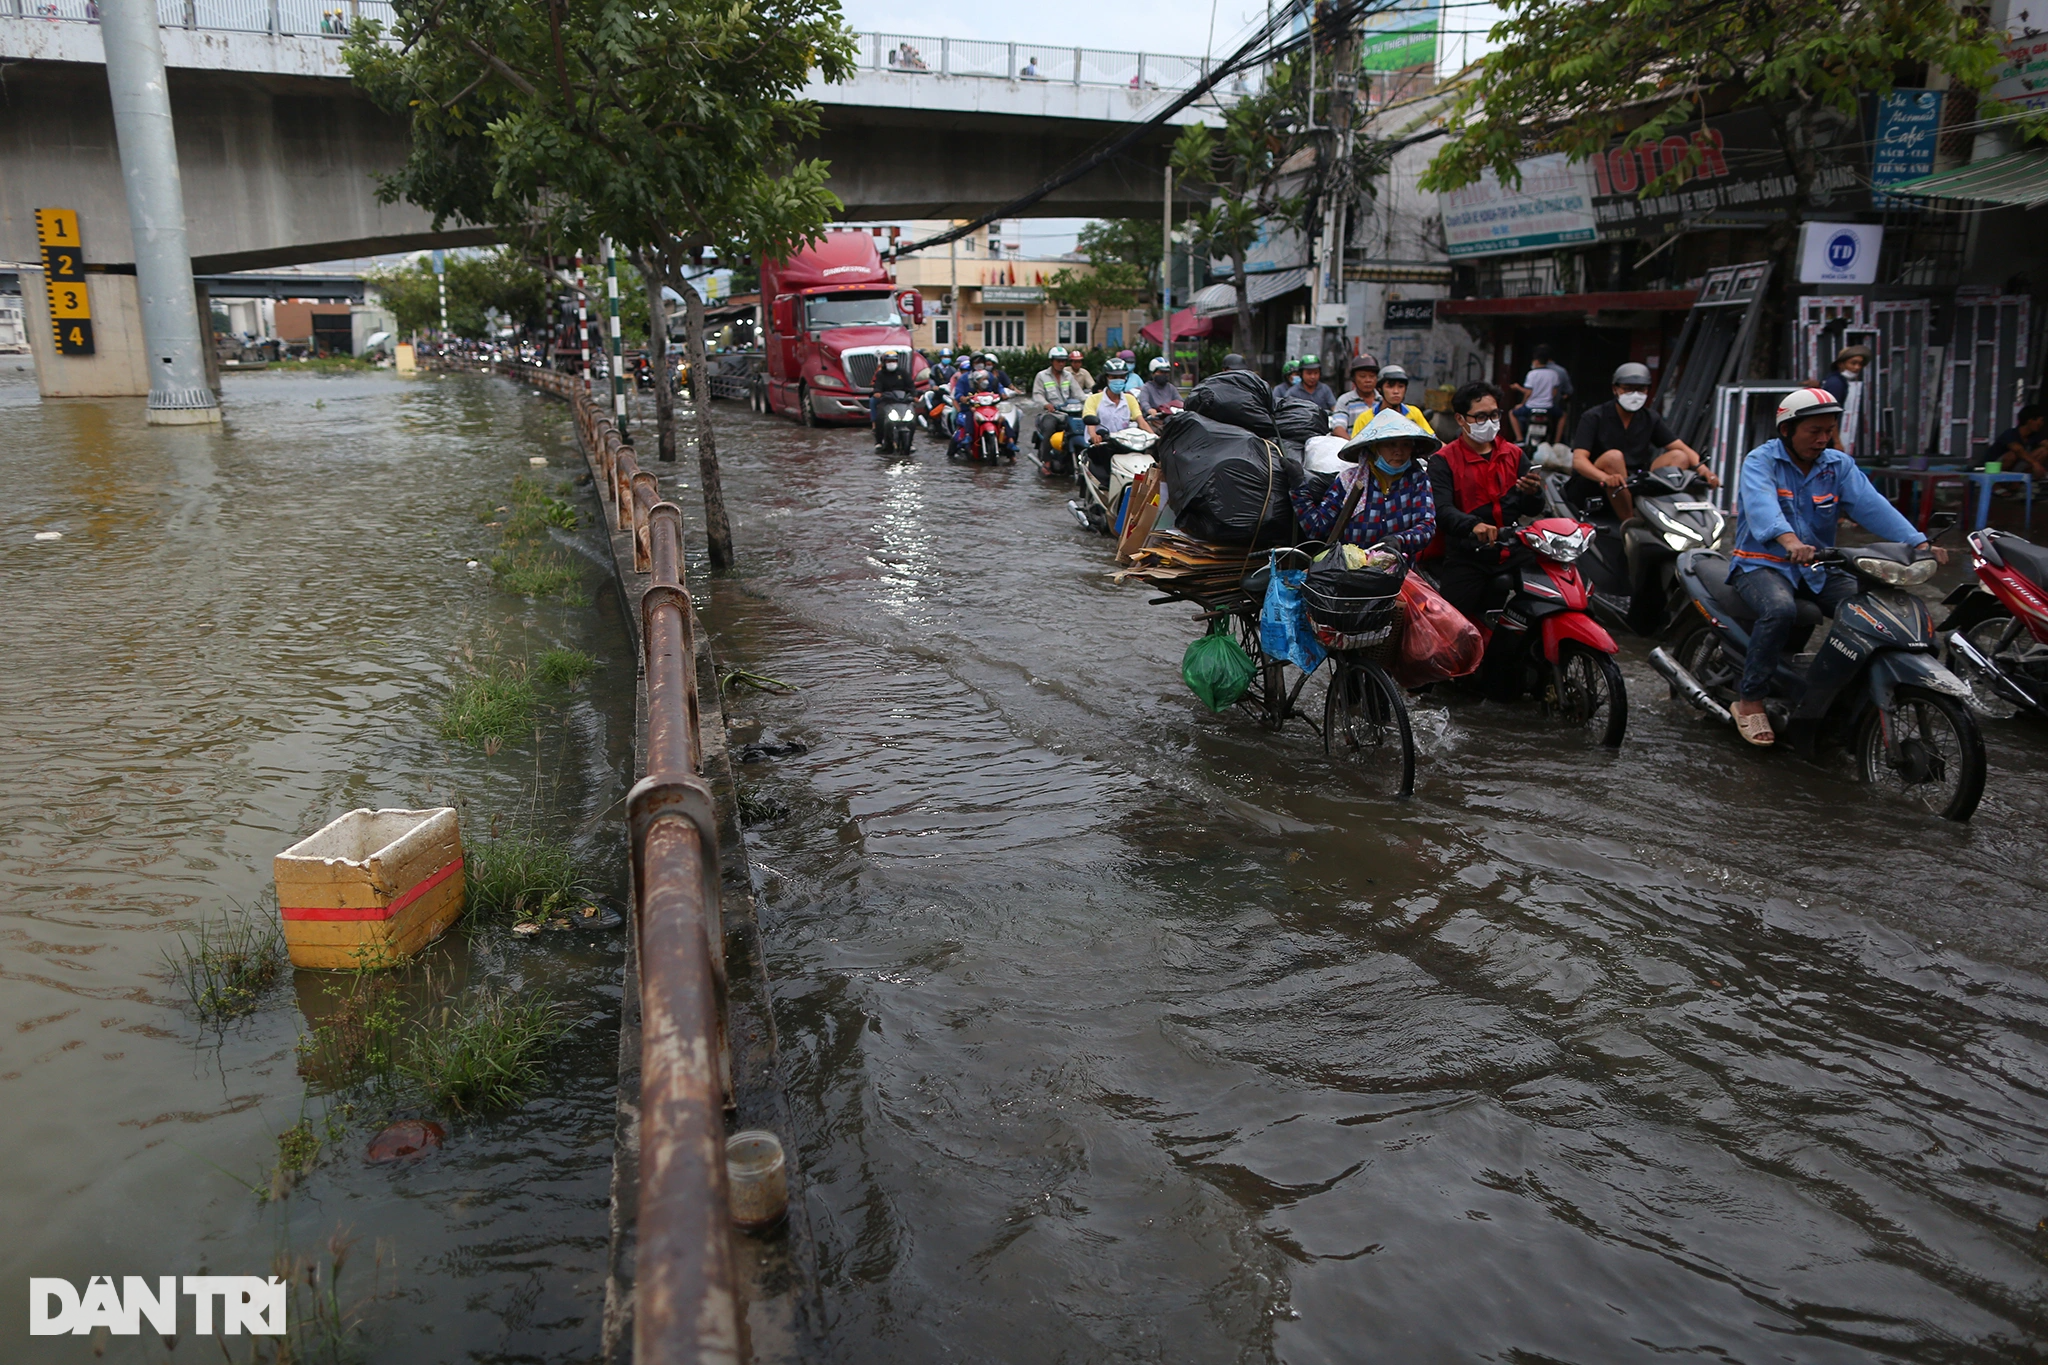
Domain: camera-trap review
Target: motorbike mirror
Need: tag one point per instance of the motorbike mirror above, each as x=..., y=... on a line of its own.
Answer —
x=1939, y=523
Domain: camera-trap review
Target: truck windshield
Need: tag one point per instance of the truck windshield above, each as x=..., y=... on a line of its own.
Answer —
x=850, y=310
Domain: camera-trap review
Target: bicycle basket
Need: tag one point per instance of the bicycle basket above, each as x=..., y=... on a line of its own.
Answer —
x=1353, y=592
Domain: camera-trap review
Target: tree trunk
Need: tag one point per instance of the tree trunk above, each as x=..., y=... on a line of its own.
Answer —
x=1244, y=309
x=652, y=274
x=717, y=527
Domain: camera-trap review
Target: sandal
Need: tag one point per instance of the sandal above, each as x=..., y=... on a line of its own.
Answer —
x=1755, y=728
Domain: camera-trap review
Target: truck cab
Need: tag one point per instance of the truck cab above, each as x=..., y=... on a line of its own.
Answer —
x=831, y=312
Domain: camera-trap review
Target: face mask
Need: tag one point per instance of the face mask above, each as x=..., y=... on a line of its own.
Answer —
x=1485, y=431
x=1383, y=467
x=1117, y=385
x=1632, y=402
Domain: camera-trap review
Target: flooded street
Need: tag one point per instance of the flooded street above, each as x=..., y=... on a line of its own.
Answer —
x=240, y=636
x=1121, y=1031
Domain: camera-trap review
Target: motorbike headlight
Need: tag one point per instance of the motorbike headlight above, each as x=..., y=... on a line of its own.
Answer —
x=1896, y=575
x=1565, y=549
x=1678, y=540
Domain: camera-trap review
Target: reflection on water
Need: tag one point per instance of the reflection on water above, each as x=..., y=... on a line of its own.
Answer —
x=241, y=635
x=1121, y=1031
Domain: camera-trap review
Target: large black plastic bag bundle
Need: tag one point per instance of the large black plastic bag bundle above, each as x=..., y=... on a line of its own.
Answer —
x=1224, y=484
x=1238, y=398
x=1300, y=419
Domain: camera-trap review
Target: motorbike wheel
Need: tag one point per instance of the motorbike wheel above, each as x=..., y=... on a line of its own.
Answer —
x=1590, y=692
x=1365, y=720
x=1988, y=637
x=1700, y=654
x=902, y=438
x=1944, y=754
x=806, y=414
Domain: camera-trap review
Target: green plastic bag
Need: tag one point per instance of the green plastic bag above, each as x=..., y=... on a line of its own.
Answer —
x=1216, y=668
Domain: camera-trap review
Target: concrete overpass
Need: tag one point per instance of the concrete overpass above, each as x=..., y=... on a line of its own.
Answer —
x=280, y=154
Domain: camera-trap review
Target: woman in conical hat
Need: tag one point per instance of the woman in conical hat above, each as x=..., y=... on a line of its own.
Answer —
x=1396, y=503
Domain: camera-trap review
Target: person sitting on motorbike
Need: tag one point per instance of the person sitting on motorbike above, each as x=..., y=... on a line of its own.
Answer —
x=1364, y=396
x=1393, y=397
x=1004, y=388
x=1054, y=386
x=1628, y=440
x=1110, y=411
x=892, y=380
x=1290, y=379
x=1309, y=384
x=978, y=381
x=1160, y=395
x=1794, y=488
x=1397, y=501
x=1482, y=482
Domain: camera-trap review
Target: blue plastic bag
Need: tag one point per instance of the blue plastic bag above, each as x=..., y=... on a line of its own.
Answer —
x=1284, y=631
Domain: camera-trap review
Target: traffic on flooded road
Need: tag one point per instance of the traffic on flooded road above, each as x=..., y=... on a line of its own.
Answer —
x=1120, y=1029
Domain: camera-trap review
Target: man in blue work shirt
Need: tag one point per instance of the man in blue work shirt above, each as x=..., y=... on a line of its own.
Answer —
x=1793, y=491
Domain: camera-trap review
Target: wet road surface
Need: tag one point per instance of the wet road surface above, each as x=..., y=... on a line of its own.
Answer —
x=241, y=635
x=1121, y=1031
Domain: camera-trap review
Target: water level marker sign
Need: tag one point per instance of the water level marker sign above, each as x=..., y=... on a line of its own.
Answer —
x=64, y=278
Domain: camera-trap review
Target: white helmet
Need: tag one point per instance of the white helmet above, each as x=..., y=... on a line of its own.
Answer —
x=1158, y=365
x=1056, y=353
x=1807, y=403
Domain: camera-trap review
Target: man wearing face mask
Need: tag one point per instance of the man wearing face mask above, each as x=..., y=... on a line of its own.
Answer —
x=1622, y=437
x=1482, y=482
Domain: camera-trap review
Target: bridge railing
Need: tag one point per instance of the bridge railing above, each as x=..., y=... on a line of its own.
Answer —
x=296, y=18
x=915, y=55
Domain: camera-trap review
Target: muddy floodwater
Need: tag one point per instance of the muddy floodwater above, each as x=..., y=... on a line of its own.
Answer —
x=1114, y=1030
x=241, y=635
x=1120, y=1031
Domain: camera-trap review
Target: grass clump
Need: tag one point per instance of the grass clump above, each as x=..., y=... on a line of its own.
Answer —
x=226, y=966
x=486, y=1054
x=531, y=570
x=360, y=1040
x=489, y=707
x=523, y=878
x=563, y=667
x=297, y=1146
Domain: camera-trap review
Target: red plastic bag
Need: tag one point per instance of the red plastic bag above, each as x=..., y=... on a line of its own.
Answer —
x=1439, y=643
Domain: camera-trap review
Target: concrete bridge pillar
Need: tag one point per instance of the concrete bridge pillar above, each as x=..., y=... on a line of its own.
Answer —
x=175, y=347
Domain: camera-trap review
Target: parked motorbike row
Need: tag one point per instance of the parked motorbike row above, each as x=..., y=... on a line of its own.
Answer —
x=1900, y=692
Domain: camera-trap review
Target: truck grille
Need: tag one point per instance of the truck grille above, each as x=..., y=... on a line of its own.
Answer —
x=860, y=368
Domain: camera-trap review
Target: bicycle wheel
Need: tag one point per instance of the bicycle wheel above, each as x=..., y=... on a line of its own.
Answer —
x=1365, y=721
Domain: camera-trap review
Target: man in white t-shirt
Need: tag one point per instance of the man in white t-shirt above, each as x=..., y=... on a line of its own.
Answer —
x=1542, y=391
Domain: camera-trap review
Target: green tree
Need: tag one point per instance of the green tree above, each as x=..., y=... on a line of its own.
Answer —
x=666, y=125
x=1249, y=166
x=479, y=283
x=1571, y=75
x=1107, y=284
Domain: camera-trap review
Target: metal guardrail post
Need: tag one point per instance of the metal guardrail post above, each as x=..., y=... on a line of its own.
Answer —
x=275, y=24
x=1077, y=66
x=1013, y=61
x=945, y=56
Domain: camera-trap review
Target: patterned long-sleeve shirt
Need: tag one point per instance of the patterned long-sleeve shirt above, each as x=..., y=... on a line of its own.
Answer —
x=1406, y=511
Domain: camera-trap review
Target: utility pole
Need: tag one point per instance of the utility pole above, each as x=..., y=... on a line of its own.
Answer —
x=583, y=323
x=611, y=289
x=1166, y=276
x=179, y=393
x=953, y=292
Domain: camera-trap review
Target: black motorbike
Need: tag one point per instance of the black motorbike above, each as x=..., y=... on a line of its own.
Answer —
x=1633, y=568
x=1874, y=683
x=895, y=423
x=1056, y=451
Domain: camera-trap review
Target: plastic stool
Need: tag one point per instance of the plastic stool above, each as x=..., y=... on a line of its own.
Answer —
x=1984, y=483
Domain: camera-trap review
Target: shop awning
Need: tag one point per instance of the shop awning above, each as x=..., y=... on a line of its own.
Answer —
x=1219, y=299
x=1570, y=305
x=2019, y=178
x=1186, y=325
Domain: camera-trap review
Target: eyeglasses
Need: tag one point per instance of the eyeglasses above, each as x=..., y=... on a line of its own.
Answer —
x=1485, y=416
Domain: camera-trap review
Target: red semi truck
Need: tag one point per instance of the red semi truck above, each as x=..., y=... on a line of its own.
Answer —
x=831, y=312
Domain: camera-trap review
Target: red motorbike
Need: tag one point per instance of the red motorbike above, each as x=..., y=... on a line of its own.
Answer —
x=987, y=435
x=1995, y=638
x=1545, y=642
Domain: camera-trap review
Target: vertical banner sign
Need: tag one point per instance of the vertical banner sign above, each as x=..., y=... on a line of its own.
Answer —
x=1907, y=121
x=64, y=278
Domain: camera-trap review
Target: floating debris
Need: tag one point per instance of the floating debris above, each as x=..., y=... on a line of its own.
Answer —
x=476, y=564
x=49, y=535
x=763, y=749
x=407, y=1137
x=527, y=928
x=538, y=461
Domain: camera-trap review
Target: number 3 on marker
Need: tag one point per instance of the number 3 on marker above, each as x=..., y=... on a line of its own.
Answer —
x=68, y=301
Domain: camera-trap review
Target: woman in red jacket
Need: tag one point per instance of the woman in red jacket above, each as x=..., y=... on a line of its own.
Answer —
x=1482, y=482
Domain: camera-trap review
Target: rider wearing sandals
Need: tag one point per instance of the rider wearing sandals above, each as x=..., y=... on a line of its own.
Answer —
x=1793, y=491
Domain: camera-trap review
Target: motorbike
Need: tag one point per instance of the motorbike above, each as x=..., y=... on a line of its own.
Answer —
x=1545, y=641
x=1632, y=568
x=895, y=424
x=935, y=410
x=1103, y=475
x=990, y=422
x=1875, y=682
x=1056, y=452
x=1995, y=636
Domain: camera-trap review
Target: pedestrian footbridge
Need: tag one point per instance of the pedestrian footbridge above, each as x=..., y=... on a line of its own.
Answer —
x=279, y=154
